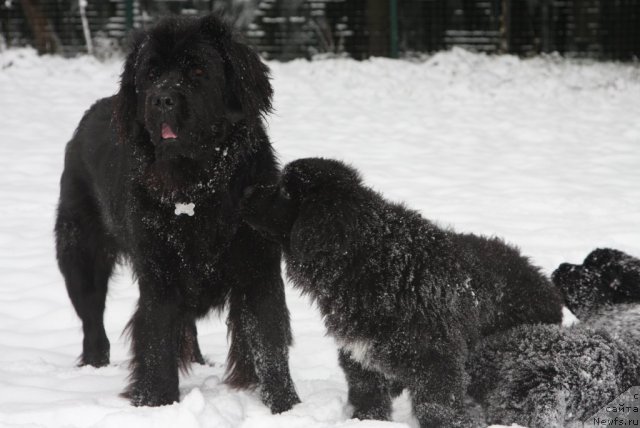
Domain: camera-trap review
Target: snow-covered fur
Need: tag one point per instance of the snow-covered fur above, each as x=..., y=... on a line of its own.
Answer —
x=155, y=174
x=545, y=376
x=404, y=298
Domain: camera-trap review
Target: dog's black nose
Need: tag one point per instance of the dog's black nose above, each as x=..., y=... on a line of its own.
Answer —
x=164, y=101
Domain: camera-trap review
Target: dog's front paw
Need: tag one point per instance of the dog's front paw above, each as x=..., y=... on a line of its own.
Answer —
x=378, y=413
x=433, y=415
x=281, y=402
x=95, y=351
x=140, y=396
x=95, y=360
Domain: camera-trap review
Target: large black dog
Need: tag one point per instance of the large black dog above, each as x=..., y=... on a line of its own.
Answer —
x=404, y=298
x=155, y=174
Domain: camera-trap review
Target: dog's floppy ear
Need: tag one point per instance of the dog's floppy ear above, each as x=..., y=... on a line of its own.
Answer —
x=326, y=227
x=125, y=102
x=249, y=90
x=248, y=79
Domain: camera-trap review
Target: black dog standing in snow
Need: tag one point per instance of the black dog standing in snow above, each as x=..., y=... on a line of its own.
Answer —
x=155, y=174
x=404, y=299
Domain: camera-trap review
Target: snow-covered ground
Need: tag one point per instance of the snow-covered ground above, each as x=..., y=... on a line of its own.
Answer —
x=544, y=152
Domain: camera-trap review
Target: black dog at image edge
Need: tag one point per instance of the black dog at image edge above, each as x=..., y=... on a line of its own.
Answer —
x=154, y=175
x=405, y=300
x=550, y=376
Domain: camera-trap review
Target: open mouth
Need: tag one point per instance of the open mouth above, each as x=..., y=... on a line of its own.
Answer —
x=167, y=132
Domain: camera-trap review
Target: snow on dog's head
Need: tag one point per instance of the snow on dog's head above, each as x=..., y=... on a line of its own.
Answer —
x=187, y=86
x=184, y=79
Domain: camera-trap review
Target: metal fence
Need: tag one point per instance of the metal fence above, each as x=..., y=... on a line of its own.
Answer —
x=286, y=29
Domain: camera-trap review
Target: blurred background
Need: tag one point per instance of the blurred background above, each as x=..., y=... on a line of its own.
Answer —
x=288, y=29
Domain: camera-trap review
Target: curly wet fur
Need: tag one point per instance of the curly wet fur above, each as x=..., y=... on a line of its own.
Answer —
x=124, y=174
x=551, y=377
x=404, y=298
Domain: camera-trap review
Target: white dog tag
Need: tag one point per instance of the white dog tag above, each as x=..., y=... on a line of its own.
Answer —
x=187, y=209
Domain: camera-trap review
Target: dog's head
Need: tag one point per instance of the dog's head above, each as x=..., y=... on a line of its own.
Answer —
x=183, y=81
x=318, y=206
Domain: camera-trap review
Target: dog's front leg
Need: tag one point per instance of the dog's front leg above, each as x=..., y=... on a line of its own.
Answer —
x=260, y=334
x=369, y=391
x=155, y=332
x=259, y=324
x=437, y=385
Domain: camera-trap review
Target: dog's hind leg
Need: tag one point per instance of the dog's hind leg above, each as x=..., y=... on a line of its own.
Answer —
x=369, y=391
x=241, y=371
x=86, y=256
x=196, y=355
x=189, y=347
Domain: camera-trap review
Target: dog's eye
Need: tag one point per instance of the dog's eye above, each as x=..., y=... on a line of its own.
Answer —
x=198, y=71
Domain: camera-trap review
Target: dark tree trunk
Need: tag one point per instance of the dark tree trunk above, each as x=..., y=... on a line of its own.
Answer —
x=45, y=39
x=378, y=26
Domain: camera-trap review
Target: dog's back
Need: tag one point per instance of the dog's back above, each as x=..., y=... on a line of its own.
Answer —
x=508, y=288
x=94, y=174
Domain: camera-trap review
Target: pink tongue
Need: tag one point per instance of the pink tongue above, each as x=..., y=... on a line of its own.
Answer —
x=167, y=132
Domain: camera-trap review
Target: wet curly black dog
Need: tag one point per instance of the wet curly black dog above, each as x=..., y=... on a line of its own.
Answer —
x=155, y=175
x=547, y=376
x=404, y=299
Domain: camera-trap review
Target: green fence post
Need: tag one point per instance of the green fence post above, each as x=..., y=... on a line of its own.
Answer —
x=393, y=16
x=505, y=27
x=128, y=14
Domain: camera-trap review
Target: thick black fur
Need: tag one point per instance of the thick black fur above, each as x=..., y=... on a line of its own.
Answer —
x=122, y=179
x=404, y=298
x=552, y=377
x=606, y=277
